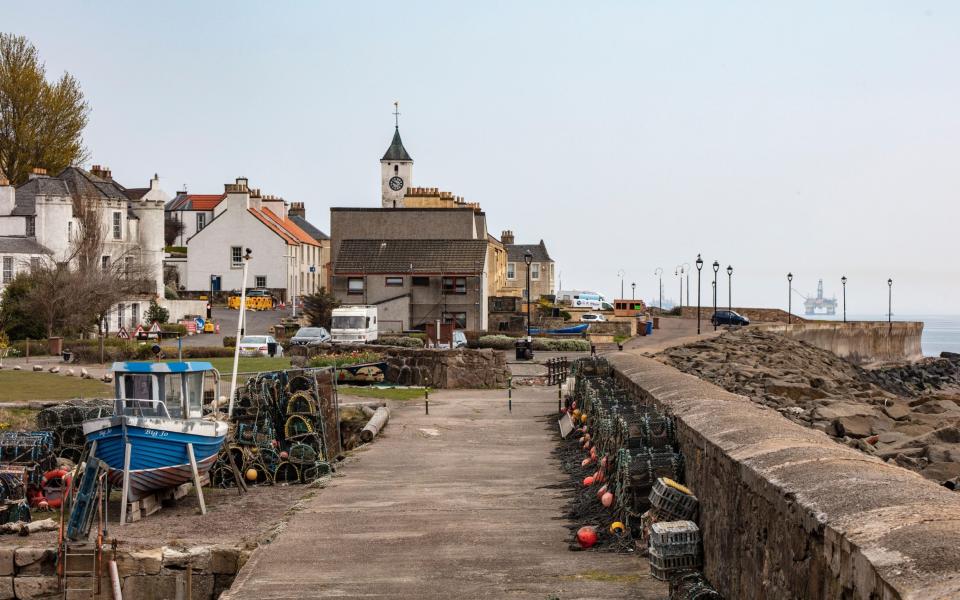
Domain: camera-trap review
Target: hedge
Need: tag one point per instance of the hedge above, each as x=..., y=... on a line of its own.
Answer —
x=402, y=341
x=505, y=342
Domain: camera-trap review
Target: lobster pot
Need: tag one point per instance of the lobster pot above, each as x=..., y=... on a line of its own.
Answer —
x=645, y=467
x=329, y=408
x=671, y=503
x=673, y=538
x=692, y=585
x=663, y=567
x=657, y=431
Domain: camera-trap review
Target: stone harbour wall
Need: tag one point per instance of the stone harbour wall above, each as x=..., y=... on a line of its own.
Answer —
x=788, y=513
x=859, y=341
x=448, y=369
x=27, y=573
x=755, y=315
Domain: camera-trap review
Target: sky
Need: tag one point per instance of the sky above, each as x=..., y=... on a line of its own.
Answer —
x=819, y=138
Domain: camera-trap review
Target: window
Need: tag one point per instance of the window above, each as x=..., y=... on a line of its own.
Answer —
x=394, y=281
x=69, y=231
x=201, y=220
x=236, y=257
x=34, y=263
x=104, y=262
x=117, y=226
x=511, y=270
x=535, y=271
x=421, y=281
x=120, y=312
x=355, y=285
x=454, y=285
x=135, y=315
x=31, y=226
x=396, y=168
x=7, y=269
x=459, y=319
x=260, y=281
x=129, y=263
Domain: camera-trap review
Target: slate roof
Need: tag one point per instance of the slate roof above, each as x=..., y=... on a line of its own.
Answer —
x=515, y=252
x=135, y=193
x=72, y=182
x=396, y=151
x=406, y=256
x=21, y=245
x=309, y=228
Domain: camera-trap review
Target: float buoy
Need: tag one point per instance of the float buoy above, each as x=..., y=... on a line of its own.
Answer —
x=607, y=500
x=251, y=474
x=59, y=483
x=585, y=462
x=586, y=537
x=284, y=455
x=587, y=481
x=617, y=527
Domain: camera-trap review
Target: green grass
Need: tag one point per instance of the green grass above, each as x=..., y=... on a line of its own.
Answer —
x=28, y=385
x=381, y=393
x=247, y=364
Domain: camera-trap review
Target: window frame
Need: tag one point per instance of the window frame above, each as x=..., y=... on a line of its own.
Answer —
x=120, y=313
x=201, y=216
x=355, y=291
x=105, y=262
x=31, y=226
x=117, y=225
x=236, y=257
x=511, y=271
x=458, y=318
x=535, y=272
x=454, y=285
x=257, y=283
x=8, y=269
x=393, y=281
x=420, y=281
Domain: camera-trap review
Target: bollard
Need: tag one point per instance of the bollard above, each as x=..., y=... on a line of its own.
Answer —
x=510, y=394
x=559, y=397
x=426, y=400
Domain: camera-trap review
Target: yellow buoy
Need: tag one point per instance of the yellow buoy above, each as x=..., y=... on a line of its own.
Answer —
x=583, y=418
x=616, y=527
x=251, y=474
x=682, y=488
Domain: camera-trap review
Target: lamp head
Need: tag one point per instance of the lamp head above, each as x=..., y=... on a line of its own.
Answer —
x=890, y=282
x=789, y=276
x=843, y=280
x=729, y=270
x=528, y=257
x=699, y=262
x=716, y=266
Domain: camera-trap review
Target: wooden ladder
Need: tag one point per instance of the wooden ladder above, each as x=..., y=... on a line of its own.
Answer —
x=79, y=571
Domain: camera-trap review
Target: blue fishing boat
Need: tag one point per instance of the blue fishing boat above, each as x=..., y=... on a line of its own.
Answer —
x=571, y=330
x=156, y=438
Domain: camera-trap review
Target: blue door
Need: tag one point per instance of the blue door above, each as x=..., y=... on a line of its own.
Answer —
x=214, y=283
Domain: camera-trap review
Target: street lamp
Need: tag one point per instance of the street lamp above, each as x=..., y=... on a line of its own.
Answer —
x=716, y=268
x=528, y=258
x=620, y=275
x=789, y=297
x=678, y=272
x=729, y=288
x=843, y=280
x=687, y=267
x=248, y=254
x=633, y=290
x=699, y=264
x=659, y=273
x=889, y=306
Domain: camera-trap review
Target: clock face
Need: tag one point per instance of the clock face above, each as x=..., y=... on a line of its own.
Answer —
x=396, y=183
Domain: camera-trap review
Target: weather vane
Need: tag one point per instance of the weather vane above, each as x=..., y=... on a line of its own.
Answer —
x=396, y=114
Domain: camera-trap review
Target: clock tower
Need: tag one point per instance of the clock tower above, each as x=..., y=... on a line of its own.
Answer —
x=396, y=169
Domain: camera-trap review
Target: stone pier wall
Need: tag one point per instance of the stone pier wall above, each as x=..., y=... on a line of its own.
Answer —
x=861, y=342
x=788, y=513
x=755, y=315
x=29, y=572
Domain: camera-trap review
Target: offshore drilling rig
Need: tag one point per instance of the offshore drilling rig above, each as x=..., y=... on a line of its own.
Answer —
x=819, y=305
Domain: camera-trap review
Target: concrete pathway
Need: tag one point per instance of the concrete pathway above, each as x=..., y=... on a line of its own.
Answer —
x=455, y=504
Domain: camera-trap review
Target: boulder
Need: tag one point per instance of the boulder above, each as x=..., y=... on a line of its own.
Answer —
x=38, y=368
x=896, y=410
x=839, y=410
x=54, y=369
x=855, y=426
x=941, y=471
x=794, y=391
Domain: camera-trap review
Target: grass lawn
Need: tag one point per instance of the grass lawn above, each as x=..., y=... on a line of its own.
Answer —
x=381, y=393
x=28, y=385
x=247, y=364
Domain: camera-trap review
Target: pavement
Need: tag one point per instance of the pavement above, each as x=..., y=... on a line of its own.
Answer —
x=460, y=503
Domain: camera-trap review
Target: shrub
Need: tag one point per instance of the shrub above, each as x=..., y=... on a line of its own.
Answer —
x=498, y=342
x=229, y=341
x=402, y=341
x=565, y=315
x=352, y=358
x=200, y=352
x=675, y=311
x=553, y=345
x=173, y=328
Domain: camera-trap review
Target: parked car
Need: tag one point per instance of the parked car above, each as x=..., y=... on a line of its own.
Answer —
x=728, y=317
x=310, y=336
x=459, y=339
x=592, y=318
x=259, y=345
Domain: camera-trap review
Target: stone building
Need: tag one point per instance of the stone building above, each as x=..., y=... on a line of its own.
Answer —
x=39, y=221
x=541, y=267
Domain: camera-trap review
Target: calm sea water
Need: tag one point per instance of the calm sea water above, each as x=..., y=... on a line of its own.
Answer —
x=941, y=333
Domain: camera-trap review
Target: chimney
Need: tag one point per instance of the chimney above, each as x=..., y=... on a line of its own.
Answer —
x=37, y=172
x=155, y=182
x=8, y=196
x=101, y=172
x=242, y=181
x=297, y=210
x=507, y=237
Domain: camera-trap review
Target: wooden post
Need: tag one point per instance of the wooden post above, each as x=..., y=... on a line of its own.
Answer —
x=128, y=450
x=196, y=479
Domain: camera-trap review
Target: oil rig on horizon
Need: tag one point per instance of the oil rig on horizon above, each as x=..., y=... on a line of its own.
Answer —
x=819, y=305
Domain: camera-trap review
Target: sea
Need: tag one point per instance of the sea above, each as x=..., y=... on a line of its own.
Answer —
x=941, y=333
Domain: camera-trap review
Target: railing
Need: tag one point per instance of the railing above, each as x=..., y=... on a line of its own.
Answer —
x=557, y=369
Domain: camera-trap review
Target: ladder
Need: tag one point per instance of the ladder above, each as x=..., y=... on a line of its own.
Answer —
x=80, y=563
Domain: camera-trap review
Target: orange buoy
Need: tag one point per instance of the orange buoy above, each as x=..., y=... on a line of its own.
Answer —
x=284, y=455
x=587, y=481
x=607, y=500
x=251, y=474
x=585, y=462
x=602, y=490
x=586, y=537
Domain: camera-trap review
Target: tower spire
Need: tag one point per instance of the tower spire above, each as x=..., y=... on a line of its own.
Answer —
x=396, y=114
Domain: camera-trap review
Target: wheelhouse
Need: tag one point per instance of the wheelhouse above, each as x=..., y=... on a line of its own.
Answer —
x=163, y=389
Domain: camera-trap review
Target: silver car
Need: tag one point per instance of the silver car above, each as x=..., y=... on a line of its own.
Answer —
x=310, y=336
x=259, y=345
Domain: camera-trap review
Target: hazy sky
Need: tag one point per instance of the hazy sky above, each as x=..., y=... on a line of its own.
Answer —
x=822, y=137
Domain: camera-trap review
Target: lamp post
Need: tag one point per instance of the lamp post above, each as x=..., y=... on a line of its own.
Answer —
x=528, y=258
x=659, y=273
x=716, y=268
x=686, y=266
x=620, y=275
x=633, y=290
x=678, y=272
x=236, y=350
x=843, y=280
x=889, y=306
x=699, y=264
x=789, y=297
x=729, y=288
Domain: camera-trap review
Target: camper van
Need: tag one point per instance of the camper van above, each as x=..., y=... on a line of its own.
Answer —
x=584, y=299
x=354, y=324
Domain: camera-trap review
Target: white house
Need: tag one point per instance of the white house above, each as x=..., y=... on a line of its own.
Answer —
x=194, y=211
x=38, y=222
x=286, y=259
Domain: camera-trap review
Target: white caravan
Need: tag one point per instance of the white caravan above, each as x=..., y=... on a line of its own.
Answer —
x=355, y=324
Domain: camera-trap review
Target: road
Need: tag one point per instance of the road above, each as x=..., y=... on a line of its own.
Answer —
x=258, y=322
x=454, y=504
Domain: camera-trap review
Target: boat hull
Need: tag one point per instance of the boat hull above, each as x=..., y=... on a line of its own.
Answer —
x=158, y=458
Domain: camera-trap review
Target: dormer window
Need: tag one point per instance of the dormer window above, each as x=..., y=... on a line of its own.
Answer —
x=31, y=226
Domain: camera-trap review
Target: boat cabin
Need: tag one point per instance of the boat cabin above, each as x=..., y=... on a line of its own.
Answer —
x=163, y=389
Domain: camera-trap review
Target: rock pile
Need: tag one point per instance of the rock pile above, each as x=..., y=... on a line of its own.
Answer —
x=906, y=414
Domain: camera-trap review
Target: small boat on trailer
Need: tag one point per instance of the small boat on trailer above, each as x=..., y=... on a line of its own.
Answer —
x=157, y=439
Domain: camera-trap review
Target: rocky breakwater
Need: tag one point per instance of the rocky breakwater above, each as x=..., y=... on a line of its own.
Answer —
x=907, y=414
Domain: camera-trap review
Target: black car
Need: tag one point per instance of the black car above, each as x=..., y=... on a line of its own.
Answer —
x=728, y=317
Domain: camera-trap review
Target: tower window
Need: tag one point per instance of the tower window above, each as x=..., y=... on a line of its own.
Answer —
x=396, y=168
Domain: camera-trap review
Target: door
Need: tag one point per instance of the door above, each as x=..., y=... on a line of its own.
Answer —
x=214, y=283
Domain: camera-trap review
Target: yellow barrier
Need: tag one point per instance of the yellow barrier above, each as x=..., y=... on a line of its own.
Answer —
x=254, y=303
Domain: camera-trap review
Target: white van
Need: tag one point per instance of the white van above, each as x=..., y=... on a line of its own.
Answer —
x=355, y=324
x=589, y=300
